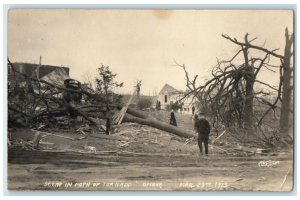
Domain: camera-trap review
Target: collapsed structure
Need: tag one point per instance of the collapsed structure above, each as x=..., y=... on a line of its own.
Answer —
x=37, y=97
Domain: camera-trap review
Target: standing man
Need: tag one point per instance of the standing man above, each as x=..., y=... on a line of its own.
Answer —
x=158, y=105
x=203, y=129
x=193, y=110
x=173, y=119
x=138, y=87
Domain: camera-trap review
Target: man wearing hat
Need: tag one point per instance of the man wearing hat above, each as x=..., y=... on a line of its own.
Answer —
x=202, y=127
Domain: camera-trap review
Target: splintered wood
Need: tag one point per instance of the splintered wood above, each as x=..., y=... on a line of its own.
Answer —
x=36, y=140
x=119, y=117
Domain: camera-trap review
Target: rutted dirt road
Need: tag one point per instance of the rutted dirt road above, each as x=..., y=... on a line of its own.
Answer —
x=44, y=170
x=138, y=160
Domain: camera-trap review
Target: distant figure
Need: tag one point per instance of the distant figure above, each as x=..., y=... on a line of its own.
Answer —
x=193, y=110
x=158, y=105
x=202, y=127
x=138, y=87
x=194, y=119
x=173, y=119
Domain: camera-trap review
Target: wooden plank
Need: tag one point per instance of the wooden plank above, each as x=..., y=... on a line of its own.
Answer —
x=51, y=134
x=219, y=136
x=124, y=109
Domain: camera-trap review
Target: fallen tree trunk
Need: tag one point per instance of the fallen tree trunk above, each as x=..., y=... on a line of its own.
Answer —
x=93, y=110
x=72, y=108
x=159, y=125
x=135, y=113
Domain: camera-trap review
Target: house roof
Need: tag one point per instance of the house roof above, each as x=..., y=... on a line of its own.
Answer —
x=56, y=77
x=29, y=69
x=168, y=89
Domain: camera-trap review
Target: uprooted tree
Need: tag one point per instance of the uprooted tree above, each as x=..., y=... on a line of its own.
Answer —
x=229, y=96
x=33, y=102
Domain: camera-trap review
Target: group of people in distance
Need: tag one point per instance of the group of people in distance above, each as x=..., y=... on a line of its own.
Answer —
x=201, y=126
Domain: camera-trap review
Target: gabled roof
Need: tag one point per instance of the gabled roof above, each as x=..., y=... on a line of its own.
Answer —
x=56, y=77
x=168, y=89
x=29, y=69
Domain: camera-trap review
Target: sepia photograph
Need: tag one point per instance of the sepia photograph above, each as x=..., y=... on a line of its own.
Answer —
x=150, y=100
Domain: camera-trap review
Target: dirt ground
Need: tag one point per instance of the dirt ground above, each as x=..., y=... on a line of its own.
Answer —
x=141, y=158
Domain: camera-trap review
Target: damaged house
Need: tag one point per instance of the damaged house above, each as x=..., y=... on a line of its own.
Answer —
x=168, y=95
x=53, y=74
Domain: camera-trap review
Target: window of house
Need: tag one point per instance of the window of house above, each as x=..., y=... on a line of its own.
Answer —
x=166, y=98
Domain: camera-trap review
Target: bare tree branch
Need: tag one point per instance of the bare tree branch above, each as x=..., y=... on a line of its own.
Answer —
x=253, y=46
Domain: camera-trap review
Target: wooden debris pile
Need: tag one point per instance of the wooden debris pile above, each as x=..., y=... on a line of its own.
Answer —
x=47, y=108
x=226, y=143
x=36, y=103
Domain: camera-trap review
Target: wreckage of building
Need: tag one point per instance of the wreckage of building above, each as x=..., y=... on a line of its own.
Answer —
x=50, y=97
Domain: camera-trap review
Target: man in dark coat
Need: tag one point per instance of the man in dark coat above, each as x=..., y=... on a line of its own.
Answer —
x=202, y=127
x=193, y=110
x=173, y=119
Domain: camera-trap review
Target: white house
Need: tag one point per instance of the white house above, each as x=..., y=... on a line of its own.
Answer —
x=169, y=95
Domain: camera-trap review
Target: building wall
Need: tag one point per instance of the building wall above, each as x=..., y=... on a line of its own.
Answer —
x=172, y=98
x=53, y=73
x=169, y=95
x=167, y=99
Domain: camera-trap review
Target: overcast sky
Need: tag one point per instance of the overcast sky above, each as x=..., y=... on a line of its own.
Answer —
x=141, y=44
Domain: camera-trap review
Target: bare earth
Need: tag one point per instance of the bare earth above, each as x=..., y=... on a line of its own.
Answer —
x=141, y=158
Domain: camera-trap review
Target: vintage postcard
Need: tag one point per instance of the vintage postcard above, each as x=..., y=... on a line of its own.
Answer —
x=150, y=100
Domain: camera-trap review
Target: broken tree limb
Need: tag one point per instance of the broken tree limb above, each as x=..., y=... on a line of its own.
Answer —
x=159, y=125
x=141, y=118
x=219, y=136
x=71, y=107
x=111, y=137
x=18, y=111
x=93, y=110
x=120, y=116
x=96, y=115
x=248, y=45
x=36, y=140
x=51, y=134
x=56, y=112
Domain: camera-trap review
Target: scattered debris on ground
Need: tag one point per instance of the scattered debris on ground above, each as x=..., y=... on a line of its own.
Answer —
x=53, y=126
